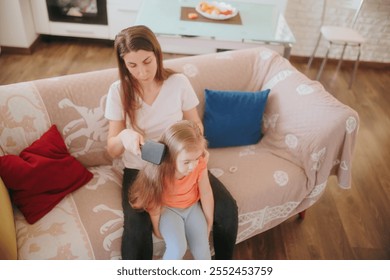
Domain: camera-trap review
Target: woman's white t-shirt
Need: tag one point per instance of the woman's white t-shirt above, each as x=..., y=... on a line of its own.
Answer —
x=176, y=95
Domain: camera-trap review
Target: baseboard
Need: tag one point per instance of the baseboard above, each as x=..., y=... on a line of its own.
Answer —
x=18, y=50
x=348, y=63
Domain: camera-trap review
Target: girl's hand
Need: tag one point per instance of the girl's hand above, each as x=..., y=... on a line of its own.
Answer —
x=209, y=228
x=131, y=141
x=207, y=199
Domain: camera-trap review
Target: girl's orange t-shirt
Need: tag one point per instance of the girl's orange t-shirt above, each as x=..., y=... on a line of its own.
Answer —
x=185, y=191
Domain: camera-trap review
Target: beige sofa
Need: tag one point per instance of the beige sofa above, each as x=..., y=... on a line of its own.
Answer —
x=308, y=136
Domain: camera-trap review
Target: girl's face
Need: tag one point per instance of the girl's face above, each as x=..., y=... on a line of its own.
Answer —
x=142, y=65
x=186, y=162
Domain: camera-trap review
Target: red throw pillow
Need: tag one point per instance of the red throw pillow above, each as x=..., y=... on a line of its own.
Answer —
x=42, y=175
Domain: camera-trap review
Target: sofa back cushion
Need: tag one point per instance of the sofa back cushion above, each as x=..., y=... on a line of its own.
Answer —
x=74, y=103
x=227, y=71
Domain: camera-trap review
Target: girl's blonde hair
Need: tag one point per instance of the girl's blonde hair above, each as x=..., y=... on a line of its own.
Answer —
x=146, y=191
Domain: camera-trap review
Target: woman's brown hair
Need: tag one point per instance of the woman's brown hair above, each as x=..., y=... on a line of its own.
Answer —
x=133, y=39
x=146, y=191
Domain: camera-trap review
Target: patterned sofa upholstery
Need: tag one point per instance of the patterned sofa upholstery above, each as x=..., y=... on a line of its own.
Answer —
x=308, y=136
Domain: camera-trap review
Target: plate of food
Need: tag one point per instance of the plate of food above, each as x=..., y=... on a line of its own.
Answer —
x=216, y=10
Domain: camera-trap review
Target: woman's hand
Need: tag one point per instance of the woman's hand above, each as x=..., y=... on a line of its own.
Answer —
x=120, y=139
x=131, y=141
x=206, y=155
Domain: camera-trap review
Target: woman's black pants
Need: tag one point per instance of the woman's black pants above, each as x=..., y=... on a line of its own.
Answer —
x=137, y=241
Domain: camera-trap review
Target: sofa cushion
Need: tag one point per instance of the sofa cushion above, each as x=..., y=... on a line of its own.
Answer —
x=233, y=118
x=42, y=175
x=75, y=103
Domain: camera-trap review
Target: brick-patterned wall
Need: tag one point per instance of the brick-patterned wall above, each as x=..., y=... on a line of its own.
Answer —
x=303, y=17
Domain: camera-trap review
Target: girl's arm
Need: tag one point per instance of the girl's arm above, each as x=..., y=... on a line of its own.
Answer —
x=155, y=218
x=207, y=199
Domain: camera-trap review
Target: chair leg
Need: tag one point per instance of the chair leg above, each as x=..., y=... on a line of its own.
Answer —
x=341, y=58
x=323, y=63
x=355, y=69
x=314, y=52
x=301, y=215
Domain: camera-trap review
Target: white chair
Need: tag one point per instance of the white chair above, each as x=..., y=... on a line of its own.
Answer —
x=343, y=35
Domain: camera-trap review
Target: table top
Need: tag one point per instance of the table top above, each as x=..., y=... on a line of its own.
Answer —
x=260, y=22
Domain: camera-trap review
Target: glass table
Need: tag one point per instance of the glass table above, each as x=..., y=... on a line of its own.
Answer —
x=258, y=24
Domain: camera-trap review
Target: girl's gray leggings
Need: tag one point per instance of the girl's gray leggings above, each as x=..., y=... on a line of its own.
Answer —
x=180, y=227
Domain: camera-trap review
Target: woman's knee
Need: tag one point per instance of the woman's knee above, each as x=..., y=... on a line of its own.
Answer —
x=222, y=197
x=225, y=209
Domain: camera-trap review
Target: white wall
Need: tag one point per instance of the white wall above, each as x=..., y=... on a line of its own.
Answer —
x=303, y=17
x=16, y=24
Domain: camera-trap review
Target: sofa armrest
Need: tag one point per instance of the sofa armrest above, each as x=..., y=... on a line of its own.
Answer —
x=305, y=124
x=8, y=248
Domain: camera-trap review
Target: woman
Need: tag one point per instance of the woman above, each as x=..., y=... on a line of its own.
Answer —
x=177, y=193
x=146, y=100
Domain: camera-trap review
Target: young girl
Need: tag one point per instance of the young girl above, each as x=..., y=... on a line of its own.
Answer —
x=177, y=193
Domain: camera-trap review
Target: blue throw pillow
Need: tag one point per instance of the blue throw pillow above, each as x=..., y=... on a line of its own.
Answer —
x=233, y=118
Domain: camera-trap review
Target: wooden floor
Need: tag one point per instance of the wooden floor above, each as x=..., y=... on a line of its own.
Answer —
x=343, y=224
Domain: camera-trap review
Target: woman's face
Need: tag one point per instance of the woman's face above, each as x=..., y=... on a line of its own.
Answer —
x=186, y=162
x=142, y=65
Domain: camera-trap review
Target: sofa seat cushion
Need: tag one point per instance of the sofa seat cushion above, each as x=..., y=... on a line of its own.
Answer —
x=42, y=175
x=87, y=224
x=256, y=177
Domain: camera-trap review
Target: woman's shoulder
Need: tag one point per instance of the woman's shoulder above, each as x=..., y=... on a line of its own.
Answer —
x=115, y=88
x=178, y=80
x=177, y=77
x=116, y=84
